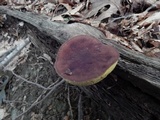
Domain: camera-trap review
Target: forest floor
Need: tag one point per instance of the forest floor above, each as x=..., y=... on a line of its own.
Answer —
x=30, y=87
x=26, y=100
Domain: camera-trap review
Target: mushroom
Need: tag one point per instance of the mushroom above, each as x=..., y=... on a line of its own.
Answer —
x=83, y=60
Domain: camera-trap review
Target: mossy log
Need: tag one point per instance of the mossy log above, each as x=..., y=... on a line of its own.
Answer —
x=136, y=93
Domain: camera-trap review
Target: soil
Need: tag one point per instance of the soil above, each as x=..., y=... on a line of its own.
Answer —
x=31, y=102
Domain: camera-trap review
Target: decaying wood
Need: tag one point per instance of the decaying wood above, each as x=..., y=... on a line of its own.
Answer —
x=122, y=100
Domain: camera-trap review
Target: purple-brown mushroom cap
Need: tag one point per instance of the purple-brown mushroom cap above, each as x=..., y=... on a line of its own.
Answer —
x=84, y=60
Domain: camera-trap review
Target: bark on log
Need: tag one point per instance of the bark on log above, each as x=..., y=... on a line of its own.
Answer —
x=123, y=101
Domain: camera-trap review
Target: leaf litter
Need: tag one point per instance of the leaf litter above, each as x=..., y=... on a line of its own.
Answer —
x=134, y=24
x=29, y=75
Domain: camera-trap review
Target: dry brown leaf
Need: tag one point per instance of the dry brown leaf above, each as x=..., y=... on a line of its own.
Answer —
x=118, y=39
x=154, y=43
x=67, y=6
x=66, y=2
x=95, y=23
x=105, y=8
x=48, y=8
x=151, y=1
x=110, y=36
x=157, y=54
x=66, y=117
x=76, y=9
x=2, y=2
x=18, y=2
x=136, y=47
x=107, y=13
x=153, y=18
x=52, y=1
x=87, y=4
x=57, y=18
x=69, y=13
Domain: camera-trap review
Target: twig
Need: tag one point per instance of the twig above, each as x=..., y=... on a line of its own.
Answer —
x=30, y=82
x=135, y=15
x=69, y=103
x=36, y=102
x=80, y=113
x=56, y=82
x=15, y=101
x=34, y=2
x=53, y=88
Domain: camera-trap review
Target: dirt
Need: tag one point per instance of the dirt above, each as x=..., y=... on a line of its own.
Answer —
x=32, y=102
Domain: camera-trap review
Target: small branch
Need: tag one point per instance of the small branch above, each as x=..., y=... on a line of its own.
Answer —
x=53, y=89
x=15, y=101
x=37, y=101
x=69, y=103
x=80, y=112
x=30, y=82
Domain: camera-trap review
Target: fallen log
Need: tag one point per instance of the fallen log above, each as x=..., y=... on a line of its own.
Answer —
x=120, y=100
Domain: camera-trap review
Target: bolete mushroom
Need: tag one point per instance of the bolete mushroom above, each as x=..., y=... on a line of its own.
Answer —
x=83, y=60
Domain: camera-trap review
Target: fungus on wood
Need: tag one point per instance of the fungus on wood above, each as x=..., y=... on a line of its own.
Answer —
x=83, y=60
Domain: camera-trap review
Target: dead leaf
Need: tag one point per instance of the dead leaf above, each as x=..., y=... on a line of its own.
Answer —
x=66, y=2
x=102, y=9
x=157, y=55
x=66, y=117
x=69, y=13
x=3, y=113
x=95, y=23
x=155, y=52
x=154, y=43
x=68, y=7
x=87, y=4
x=152, y=18
x=2, y=2
x=106, y=13
x=76, y=9
x=57, y=18
x=136, y=47
x=48, y=8
x=20, y=2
